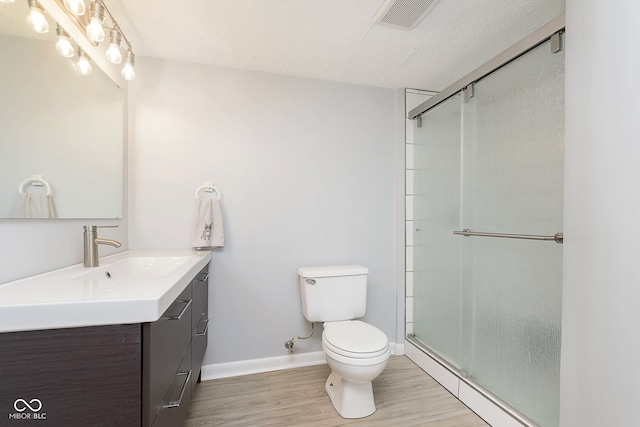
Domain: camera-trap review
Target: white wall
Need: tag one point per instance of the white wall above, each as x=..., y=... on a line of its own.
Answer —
x=307, y=174
x=601, y=291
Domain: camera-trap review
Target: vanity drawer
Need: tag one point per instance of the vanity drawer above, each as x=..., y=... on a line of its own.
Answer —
x=168, y=340
x=199, y=346
x=175, y=404
x=200, y=296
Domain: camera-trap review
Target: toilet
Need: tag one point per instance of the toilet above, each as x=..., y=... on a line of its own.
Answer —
x=356, y=352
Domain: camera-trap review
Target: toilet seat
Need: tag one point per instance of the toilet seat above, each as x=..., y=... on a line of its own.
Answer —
x=355, y=339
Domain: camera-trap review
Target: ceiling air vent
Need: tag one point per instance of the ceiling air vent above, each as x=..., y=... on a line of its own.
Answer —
x=404, y=13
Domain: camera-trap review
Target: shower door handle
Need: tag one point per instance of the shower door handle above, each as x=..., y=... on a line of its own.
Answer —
x=558, y=237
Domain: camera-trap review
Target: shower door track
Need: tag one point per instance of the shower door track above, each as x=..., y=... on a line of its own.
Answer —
x=463, y=376
x=523, y=46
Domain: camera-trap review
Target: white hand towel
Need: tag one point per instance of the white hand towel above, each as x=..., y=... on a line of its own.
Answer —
x=34, y=205
x=207, y=230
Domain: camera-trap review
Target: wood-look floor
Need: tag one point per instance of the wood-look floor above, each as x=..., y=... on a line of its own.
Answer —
x=404, y=394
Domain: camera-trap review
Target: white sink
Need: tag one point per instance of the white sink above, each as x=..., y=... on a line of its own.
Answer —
x=142, y=286
x=134, y=268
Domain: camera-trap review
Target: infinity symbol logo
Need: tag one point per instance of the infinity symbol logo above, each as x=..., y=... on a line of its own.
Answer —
x=37, y=405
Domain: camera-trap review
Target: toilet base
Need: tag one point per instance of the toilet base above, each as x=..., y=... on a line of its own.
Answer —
x=351, y=400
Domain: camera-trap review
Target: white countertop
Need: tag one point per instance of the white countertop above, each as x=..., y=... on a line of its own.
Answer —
x=58, y=299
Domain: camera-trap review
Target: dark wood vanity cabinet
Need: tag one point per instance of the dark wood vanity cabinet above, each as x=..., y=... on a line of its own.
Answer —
x=71, y=377
x=115, y=375
x=172, y=364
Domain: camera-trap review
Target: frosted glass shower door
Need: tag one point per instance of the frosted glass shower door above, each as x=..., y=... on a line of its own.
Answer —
x=436, y=269
x=491, y=160
x=511, y=290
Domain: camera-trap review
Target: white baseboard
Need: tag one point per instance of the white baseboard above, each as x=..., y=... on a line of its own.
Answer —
x=268, y=364
x=256, y=366
x=397, y=349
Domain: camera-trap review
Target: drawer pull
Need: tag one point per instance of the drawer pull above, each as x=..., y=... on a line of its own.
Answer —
x=204, y=279
x=187, y=303
x=206, y=328
x=176, y=403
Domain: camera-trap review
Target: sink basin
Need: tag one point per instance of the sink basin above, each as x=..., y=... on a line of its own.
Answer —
x=134, y=268
x=143, y=285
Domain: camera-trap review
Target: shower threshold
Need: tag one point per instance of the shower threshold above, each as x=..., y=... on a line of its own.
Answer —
x=480, y=400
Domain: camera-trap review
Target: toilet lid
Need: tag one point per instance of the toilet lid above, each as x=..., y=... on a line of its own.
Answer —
x=354, y=338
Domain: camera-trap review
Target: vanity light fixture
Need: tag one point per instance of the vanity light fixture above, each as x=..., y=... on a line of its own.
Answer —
x=113, y=53
x=63, y=45
x=119, y=46
x=77, y=7
x=94, y=29
x=83, y=66
x=36, y=17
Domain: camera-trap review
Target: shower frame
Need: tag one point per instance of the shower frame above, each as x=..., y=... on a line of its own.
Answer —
x=438, y=367
x=528, y=43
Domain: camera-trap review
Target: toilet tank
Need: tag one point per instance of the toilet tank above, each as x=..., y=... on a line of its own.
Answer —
x=333, y=293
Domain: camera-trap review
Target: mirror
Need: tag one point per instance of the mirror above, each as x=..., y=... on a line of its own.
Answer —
x=58, y=124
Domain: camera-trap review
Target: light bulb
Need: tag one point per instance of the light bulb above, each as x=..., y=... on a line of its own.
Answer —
x=7, y=1
x=94, y=28
x=77, y=7
x=128, y=72
x=113, y=54
x=83, y=65
x=36, y=17
x=63, y=45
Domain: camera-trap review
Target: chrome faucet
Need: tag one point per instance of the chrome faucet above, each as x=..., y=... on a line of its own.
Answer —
x=91, y=242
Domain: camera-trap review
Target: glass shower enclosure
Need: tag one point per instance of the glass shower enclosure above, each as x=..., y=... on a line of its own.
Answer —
x=488, y=165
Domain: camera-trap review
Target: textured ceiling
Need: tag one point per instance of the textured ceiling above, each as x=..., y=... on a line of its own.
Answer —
x=332, y=39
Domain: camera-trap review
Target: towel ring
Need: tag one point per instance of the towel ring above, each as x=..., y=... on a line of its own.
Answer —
x=30, y=181
x=208, y=187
